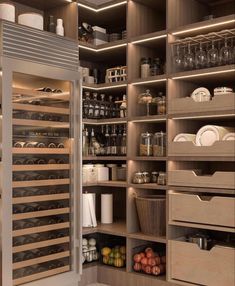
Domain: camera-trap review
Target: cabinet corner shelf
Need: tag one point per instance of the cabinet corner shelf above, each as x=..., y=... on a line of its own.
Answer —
x=107, y=47
x=148, y=119
x=117, y=228
x=106, y=86
x=152, y=238
x=150, y=186
x=149, y=39
x=151, y=81
x=107, y=121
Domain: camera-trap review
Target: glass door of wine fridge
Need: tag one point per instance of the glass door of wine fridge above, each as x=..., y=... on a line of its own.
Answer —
x=40, y=175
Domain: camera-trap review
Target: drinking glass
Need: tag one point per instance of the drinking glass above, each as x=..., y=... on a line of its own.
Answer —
x=213, y=55
x=178, y=59
x=189, y=59
x=200, y=57
x=225, y=53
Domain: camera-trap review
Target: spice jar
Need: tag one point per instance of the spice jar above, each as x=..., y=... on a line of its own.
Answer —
x=159, y=144
x=154, y=177
x=144, y=67
x=161, y=178
x=161, y=106
x=146, y=177
x=138, y=178
x=146, y=145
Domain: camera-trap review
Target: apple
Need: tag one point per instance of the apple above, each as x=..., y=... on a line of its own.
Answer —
x=148, y=269
x=144, y=261
x=137, y=266
x=137, y=258
x=158, y=260
x=152, y=262
x=149, y=254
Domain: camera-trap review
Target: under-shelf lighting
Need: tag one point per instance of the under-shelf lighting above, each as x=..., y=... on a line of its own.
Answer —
x=203, y=27
x=149, y=81
x=97, y=50
x=149, y=39
x=203, y=116
x=105, y=122
x=105, y=87
x=103, y=8
x=203, y=74
x=148, y=120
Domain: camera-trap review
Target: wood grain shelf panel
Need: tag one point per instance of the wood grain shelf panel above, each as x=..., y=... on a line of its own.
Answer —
x=117, y=228
x=40, y=275
x=41, y=151
x=141, y=236
x=40, y=123
x=151, y=81
x=202, y=190
x=40, y=167
x=104, y=158
x=148, y=119
x=149, y=40
x=40, y=214
x=150, y=186
x=103, y=48
x=121, y=184
x=40, y=183
x=39, y=229
x=103, y=86
x=42, y=198
x=38, y=260
x=104, y=121
x=41, y=244
x=40, y=108
x=148, y=158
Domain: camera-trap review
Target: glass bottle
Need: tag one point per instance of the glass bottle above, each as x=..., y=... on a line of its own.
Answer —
x=85, y=142
x=92, y=140
x=90, y=108
x=107, y=143
x=96, y=106
x=86, y=103
x=116, y=109
x=144, y=68
x=111, y=107
x=123, y=142
x=52, y=27
x=159, y=144
x=161, y=105
x=123, y=108
x=119, y=141
x=102, y=106
x=156, y=67
x=113, y=141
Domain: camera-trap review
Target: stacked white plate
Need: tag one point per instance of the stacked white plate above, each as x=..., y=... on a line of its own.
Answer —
x=7, y=12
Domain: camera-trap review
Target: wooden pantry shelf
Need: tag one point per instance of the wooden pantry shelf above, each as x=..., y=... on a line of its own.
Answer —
x=41, y=244
x=107, y=121
x=148, y=119
x=30, y=94
x=42, y=259
x=40, y=275
x=104, y=158
x=40, y=123
x=41, y=198
x=40, y=183
x=150, y=186
x=152, y=81
x=204, y=27
x=40, y=167
x=141, y=236
x=150, y=40
x=117, y=228
x=46, y=151
x=39, y=229
x=147, y=158
x=40, y=108
x=40, y=214
x=202, y=190
x=109, y=86
x=121, y=184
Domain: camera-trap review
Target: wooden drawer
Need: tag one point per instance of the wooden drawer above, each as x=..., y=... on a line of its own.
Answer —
x=212, y=210
x=218, y=149
x=213, y=267
x=190, y=178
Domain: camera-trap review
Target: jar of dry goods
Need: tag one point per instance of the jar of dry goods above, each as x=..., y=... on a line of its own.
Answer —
x=144, y=67
x=138, y=178
x=159, y=144
x=146, y=144
x=161, y=106
x=161, y=178
x=146, y=177
x=154, y=177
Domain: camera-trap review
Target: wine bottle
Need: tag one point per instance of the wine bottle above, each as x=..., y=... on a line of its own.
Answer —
x=107, y=143
x=113, y=141
x=51, y=27
x=123, y=143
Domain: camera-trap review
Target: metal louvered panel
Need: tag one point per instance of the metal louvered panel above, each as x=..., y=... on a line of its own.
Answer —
x=29, y=44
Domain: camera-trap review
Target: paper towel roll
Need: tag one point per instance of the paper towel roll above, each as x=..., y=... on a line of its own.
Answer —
x=88, y=210
x=106, y=208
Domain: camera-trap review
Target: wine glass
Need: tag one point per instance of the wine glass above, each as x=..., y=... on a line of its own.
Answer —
x=189, y=59
x=213, y=55
x=200, y=57
x=225, y=53
x=178, y=59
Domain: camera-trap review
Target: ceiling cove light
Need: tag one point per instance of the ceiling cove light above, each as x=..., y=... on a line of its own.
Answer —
x=103, y=8
x=97, y=50
x=149, y=39
x=105, y=87
x=203, y=27
x=148, y=81
x=203, y=74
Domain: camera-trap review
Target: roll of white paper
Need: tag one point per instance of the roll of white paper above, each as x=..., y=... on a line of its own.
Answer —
x=106, y=208
x=88, y=210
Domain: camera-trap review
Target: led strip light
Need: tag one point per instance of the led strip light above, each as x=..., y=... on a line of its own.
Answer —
x=103, y=88
x=97, y=50
x=148, y=81
x=149, y=39
x=103, y=8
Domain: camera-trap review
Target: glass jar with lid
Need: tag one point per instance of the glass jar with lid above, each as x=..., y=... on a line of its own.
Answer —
x=161, y=178
x=146, y=144
x=144, y=67
x=154, y=177
x=145, y=98
x=146, y=177
x=159, y=144
x=138, y=178
x=161, y=105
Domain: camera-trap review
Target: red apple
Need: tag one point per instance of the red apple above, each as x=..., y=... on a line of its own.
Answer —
x=137, y=266
x=137, y=258
x=158, y=260
x=151, y=262
x=149, y=254
x=144, y=261
x=155, y=270
x=148, y=269
x=142, y=254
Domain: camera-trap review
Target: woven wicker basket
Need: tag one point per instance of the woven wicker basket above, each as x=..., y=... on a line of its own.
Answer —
x=152, y=214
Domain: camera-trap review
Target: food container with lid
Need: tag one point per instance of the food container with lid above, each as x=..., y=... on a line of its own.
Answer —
x=33, y=20
x=146, y=144
x=102, y=172
x=161, y=178
x=159, y=144
x=146, y=177
x=138, y=178
x=7, y=12
x=89, y=174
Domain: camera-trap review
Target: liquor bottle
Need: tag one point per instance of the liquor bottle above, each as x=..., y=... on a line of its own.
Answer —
x=91, y=109
x=92, y=141
x=96, y=112
x=86, y=103
x=19, y=144
x=18, y=161
x=51, y=27
x=85, y=142
x=123, y=142
x=102, y=106
x=52, y=161
x=116, y=111
x=119, y=142
x=62, y=161
x=111, y=107
x=51, y=145
x=107, y=143
x=123, y=108
x=113, y=141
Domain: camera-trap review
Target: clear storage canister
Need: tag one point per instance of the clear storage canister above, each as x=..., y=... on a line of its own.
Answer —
x=159, y=144
x=146, y=144
x=144, y=68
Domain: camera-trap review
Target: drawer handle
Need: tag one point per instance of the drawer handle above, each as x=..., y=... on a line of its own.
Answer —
x=205, y=198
